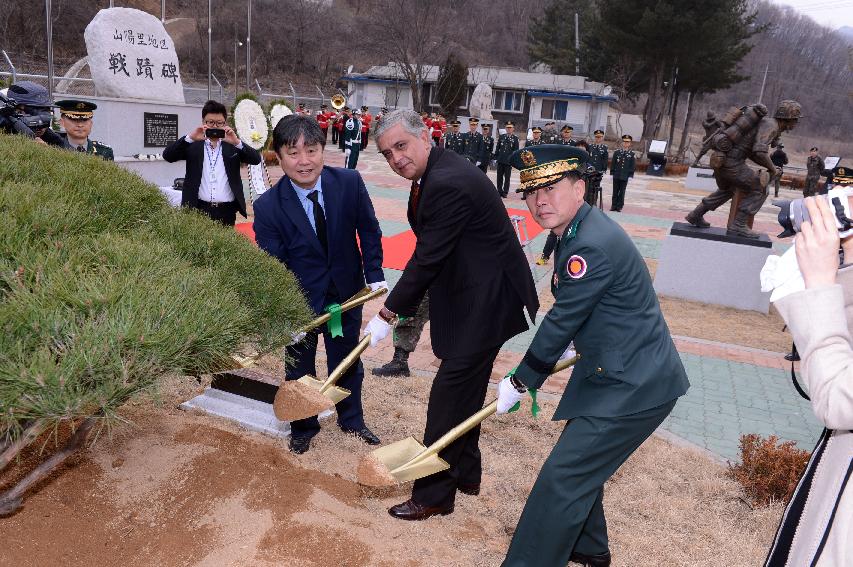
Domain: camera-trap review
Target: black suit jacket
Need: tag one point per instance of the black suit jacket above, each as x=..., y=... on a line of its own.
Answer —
x=468, y=256
x=193, y=153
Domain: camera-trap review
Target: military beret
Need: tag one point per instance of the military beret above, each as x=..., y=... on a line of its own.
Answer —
x=544, y=165
x=597, y=132
x=566, y=128
x=812, y=149
x=536, y=130
x=842, y=175
x=627, y=138
x=76, y=108
x=28, y=93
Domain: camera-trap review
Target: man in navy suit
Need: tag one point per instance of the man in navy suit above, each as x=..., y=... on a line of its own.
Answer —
x=309, y=220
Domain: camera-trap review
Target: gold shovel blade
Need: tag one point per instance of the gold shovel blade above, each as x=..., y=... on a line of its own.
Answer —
x=401, y=460
x=334, y=393
x=300, y=399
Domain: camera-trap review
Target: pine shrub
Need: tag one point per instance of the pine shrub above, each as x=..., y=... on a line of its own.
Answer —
x=769, y=470
x=104, y=288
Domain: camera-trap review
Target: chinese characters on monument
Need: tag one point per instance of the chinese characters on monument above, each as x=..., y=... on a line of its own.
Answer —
x=131, y=56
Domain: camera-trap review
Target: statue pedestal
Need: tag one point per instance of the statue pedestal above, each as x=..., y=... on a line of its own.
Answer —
x=710, y=266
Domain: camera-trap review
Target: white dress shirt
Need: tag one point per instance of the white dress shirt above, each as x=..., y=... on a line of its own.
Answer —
x=218, y=191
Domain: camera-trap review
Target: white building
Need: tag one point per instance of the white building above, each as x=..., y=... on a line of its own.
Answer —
x=526, y=98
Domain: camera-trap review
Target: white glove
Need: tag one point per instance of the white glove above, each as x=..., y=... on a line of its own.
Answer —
x=378, y=329
x=296, y=337
x=508, y=396
x=378, y=285
x=477, y=164
x=569, y=352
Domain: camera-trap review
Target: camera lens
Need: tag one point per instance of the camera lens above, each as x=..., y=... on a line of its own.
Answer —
x=785, y=220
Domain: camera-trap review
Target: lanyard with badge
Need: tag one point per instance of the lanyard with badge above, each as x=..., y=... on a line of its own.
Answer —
x=212, y=162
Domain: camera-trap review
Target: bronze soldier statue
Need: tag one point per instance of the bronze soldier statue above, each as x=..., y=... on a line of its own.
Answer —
x=743, y=133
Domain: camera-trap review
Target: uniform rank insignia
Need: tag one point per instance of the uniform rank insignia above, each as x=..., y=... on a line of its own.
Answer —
x=528, y=158
x=576, y=267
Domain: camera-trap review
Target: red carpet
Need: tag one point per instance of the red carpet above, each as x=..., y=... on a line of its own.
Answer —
x=398, y=249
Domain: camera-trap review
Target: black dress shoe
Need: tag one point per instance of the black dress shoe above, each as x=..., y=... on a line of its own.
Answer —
x=411, y=510
x=469, y=489
x=598, y=560
x=299, y=445
x=364, y=434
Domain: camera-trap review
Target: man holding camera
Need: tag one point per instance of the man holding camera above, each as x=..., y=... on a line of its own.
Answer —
x=213, y=153
x=76, y=117
x=31, y=112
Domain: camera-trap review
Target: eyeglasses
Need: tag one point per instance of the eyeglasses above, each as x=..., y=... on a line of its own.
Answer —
x=215, y=123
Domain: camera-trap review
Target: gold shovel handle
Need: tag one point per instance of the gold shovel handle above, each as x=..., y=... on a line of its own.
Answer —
x=361, y=297
x=354, y=301
x=344, y=365
x=475, y=420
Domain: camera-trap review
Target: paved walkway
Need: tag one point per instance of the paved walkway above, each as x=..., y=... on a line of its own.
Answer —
x=735, y=390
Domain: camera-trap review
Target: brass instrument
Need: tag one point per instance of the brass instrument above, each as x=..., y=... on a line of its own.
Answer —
x=338, y=101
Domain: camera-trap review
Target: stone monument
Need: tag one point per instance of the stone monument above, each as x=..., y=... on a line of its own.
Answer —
x=480, y=105
x=132, y=57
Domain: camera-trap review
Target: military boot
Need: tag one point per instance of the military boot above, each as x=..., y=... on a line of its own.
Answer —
x=739, y=227
x=696, y=216
x=399, y=365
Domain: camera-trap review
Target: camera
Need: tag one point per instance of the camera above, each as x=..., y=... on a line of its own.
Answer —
x=215, y=132
x=793, y=213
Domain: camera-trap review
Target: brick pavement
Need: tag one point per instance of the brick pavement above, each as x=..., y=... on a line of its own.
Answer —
x=735, y=390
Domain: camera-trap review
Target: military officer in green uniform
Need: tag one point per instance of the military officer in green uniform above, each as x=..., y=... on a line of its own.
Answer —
x=76, y=118
x=598, y=152
x=472, y=143
x=627, y=377
x=488, y=148
x=507, y=144
x=536, y=140
x=453, y=138
x=566, y=136
x=621, y=169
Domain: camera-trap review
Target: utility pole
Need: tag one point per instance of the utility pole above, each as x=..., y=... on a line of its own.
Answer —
x=577, y=46
x=163, y=11
x=249, y=48
x=237, y=43
x=49, y=21
x=209, y=48
x=763, y=83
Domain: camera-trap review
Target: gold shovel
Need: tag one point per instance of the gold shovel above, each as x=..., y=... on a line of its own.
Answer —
x=361, y=297
x=409, y=459
x=307, y=396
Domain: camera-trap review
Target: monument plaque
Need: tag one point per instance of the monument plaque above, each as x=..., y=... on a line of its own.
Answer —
x=131, y=56
x=160, y=129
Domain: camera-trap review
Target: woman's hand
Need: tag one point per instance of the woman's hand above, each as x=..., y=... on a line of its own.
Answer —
x=817, y=244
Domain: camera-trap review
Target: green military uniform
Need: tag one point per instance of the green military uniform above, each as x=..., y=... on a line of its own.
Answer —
x=623, y=386
x=598, y=154
x=549, y=134
x=621, y=169
x=453, y=141
x=814, y=169
x=488, y=148
x=533, y=141
x=507, y=144
x=567, y=141
x=81, y=110
x=472, y=144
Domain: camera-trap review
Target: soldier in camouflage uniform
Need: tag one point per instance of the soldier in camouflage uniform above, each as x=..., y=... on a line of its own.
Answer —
x=733, y=174
x=407, y=333
x=453, y=139
x=814, y=169
x=507, y=144
x=76, y=118
x=472, y=143
x=537, y=138
x=488, y=148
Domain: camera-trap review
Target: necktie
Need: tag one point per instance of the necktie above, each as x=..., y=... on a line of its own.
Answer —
x=319, y=220
x=416, y=196
x=81, y=149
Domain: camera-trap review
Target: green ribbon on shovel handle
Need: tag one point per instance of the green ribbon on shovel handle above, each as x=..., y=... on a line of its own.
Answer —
x=534, y=408
x=335, y=326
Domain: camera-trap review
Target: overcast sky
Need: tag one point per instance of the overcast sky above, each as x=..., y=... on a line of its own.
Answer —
x=832, y=13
